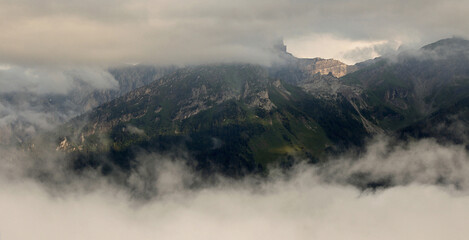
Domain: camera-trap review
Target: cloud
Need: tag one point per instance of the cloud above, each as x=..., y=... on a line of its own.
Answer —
x=347, y=50
x=135, y=130
x=187, y=32
x=371, y=51
x=423, y=162
x=30, y=114
x=299, y=208
x=41, y=80
x=306, y=202
x=40, y=98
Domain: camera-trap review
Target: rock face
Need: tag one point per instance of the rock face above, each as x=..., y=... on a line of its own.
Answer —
x=312, y=66
x=326, y=66
x=327, y=87
x=317, y=76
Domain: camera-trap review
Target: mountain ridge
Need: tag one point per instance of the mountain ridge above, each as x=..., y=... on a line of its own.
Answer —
x=239, y=118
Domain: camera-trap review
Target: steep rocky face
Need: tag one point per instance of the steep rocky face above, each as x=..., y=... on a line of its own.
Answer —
x=327, y=87
x=326, y=66
x=294, y=70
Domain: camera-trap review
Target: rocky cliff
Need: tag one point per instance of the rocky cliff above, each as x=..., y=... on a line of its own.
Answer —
x=326, y=66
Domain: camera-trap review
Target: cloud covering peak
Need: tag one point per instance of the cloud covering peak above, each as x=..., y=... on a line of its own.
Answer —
x=185, y=32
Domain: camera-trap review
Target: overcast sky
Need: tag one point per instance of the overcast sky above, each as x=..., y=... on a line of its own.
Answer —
x=109, y=32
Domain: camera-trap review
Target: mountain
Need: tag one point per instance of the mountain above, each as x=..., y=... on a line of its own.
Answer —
x=449, y=46
x=325, y=67
x=239, y=118
x=403, y=89
x=295, y=70
x=25, y=113
x=129, y=78
x=447, y=125
x=232, y=118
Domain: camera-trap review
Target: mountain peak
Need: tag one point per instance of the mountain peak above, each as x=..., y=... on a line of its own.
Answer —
x=454, y=43
x=280, y=46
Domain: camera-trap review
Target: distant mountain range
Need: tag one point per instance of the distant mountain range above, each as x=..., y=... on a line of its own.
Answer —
x=240, y=118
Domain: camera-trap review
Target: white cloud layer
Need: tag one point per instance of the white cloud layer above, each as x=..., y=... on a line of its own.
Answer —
x=307, y=203
x=301, y=208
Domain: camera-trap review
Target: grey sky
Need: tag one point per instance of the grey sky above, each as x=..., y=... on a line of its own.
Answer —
x=108, y=32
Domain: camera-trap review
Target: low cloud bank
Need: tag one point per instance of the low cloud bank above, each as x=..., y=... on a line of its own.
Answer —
x=306, y=202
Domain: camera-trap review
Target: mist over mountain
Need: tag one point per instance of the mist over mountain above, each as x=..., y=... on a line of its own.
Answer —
x=38, y=99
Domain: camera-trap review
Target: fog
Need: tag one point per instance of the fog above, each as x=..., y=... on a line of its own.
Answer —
x=43, y=80
x=427, y=199
x=39, y=98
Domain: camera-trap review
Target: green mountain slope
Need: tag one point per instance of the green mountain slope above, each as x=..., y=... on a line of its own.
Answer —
x=231, y=118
